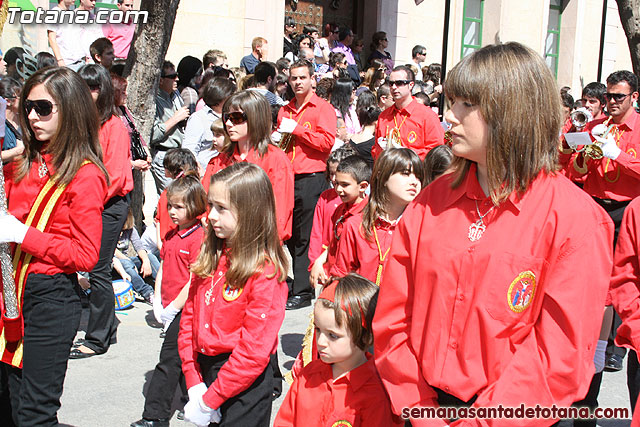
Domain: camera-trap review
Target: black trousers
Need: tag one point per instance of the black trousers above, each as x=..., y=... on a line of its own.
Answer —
x=51, y=313
x=633, y=378
x=307, y=190
x=102, y=327
x=166, y=377
x=250, y=408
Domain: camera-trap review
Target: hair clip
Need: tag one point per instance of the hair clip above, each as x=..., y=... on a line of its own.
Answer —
x=329, y=293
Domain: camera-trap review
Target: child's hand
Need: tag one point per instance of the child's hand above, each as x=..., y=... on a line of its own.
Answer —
x=198, y=413
x=145, y=268
x=157, y=308
x=126, y=277
x=317, y=275
x=168, y=314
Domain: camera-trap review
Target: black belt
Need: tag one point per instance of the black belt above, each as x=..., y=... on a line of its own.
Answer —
x=610, y=204
x=306, y=175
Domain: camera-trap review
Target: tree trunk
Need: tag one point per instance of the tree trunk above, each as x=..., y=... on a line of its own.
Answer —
x=629, y=11
x=142, y=70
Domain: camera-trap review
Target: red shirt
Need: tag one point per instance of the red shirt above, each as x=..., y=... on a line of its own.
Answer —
x=72, y=242
x=314, y=135
x=617, y=179
x=624, y=291
x=116, y=154
x=341, y=214
x=322, y=226
x=358, y=254
x=513, y=317
x=164, y=222
x=178, y=252
x=217, y=320
x=316, y=399
x=278, y=168
x=419, y=127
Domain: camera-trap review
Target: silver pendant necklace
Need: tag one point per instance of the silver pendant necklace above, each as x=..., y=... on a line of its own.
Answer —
x=43, y=170
x=476, y=230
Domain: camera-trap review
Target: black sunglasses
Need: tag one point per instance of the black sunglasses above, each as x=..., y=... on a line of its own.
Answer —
x=236, y=117
x=618, y=97
x=43, y=107
x=398, y=83
x=170, y=76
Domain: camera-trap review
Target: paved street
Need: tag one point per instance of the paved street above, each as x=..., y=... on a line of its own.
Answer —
x=108, y=390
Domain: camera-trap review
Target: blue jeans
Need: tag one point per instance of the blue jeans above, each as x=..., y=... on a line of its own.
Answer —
x=132, y=267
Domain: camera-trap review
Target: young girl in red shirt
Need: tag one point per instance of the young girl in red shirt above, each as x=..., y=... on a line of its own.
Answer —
x=186, y=201
x=55, y=199
x=366, y=238
x=342, y=388
x=236, y=304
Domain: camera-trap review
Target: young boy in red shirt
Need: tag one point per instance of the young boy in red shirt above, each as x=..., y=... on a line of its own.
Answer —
x=352, y=180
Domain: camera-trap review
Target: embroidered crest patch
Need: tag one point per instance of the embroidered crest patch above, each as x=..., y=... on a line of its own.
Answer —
x=521, y=291
x=342, y=423
x=412, y=137
x=230, y=293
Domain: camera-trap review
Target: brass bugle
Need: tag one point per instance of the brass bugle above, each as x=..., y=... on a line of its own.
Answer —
x=286, y=140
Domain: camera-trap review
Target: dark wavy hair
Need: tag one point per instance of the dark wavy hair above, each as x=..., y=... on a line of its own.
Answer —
x=96, y=76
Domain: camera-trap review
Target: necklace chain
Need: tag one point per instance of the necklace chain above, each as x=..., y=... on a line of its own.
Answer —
x=477, y=229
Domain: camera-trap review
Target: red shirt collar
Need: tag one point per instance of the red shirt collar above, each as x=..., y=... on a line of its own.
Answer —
x=471, y=188
x=631, y=121
x=357, y=377
x=187, y=231
x=410, y=108
x=312, y=101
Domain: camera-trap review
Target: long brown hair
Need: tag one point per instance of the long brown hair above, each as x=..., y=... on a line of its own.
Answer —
x=255, y=240
x=392, y=160
x=258, y=112
x=523, y=135
x=76, y=139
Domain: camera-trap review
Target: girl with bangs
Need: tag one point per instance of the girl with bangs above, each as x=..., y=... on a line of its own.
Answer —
x=236, y=304
x=246, y=117
x=496, y=280
x=396, y=180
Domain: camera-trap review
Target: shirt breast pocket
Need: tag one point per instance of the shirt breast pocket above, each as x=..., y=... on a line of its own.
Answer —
x=514, y=294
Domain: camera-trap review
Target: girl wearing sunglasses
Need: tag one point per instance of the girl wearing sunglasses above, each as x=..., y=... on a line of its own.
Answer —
x=116, y=152
x=55, y=198
x=246, y=118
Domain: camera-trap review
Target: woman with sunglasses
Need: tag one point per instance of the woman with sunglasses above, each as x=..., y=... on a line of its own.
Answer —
x=379, y=43
x=55, y=199
x=496, y=279
x=246, y=117
x=116, y=152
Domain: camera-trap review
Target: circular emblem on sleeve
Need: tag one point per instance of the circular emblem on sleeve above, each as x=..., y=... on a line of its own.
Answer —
x=412, y=137
x=342, y=423
x=307, y=125
x=521, y=291
x=230, y=293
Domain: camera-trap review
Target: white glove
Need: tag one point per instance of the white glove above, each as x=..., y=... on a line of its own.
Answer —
x=287, y=125
x=598, y=357
x=168, y=314
x=198, y=413
x=197, y=391
x=609, y=148
x=382, y=142
x=11, y=230
x=157, y=308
